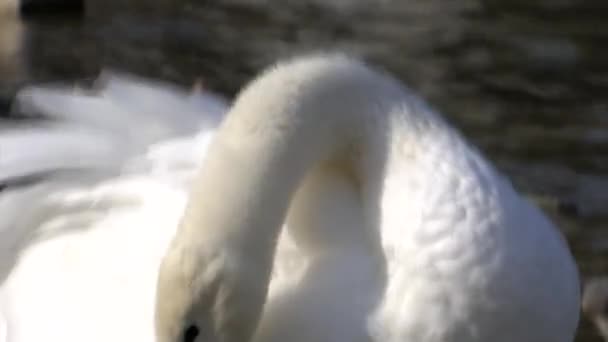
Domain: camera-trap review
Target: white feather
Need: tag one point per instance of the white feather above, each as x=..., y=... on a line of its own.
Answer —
x=80, y=244
x=95, y=193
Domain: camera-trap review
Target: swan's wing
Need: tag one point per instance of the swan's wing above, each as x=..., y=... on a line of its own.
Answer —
x=90, y=198
x=30, y=151
x=122, y=117
x=466, y=255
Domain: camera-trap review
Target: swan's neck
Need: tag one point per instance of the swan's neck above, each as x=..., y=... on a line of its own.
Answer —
x=283, y=124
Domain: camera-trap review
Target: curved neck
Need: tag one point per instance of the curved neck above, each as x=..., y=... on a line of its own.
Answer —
x=281, y=125
x=290, y=119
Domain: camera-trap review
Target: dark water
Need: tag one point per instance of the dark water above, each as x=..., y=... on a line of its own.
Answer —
x=526, y=80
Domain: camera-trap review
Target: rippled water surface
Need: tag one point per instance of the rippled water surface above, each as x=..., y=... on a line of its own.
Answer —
x=526, y=82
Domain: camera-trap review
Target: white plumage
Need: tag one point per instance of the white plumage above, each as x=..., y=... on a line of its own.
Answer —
x=95, y=194
x=80, y=244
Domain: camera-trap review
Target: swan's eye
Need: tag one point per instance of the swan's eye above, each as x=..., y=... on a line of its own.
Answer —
x=191, y=333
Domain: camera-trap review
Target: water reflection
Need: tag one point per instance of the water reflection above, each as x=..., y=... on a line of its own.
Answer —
x=526, y=81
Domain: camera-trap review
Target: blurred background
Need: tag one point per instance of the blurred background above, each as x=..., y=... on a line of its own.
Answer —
x=525, y=80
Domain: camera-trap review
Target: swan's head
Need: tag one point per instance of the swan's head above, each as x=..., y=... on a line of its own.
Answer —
x=207, y=294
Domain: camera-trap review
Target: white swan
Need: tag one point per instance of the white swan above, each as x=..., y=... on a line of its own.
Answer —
x=398, y=229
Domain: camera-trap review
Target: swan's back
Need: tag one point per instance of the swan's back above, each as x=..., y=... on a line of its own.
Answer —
x=468, y=258
x=91, y=197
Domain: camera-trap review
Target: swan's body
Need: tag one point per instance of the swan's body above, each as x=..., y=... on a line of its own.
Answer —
x=398, y=231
